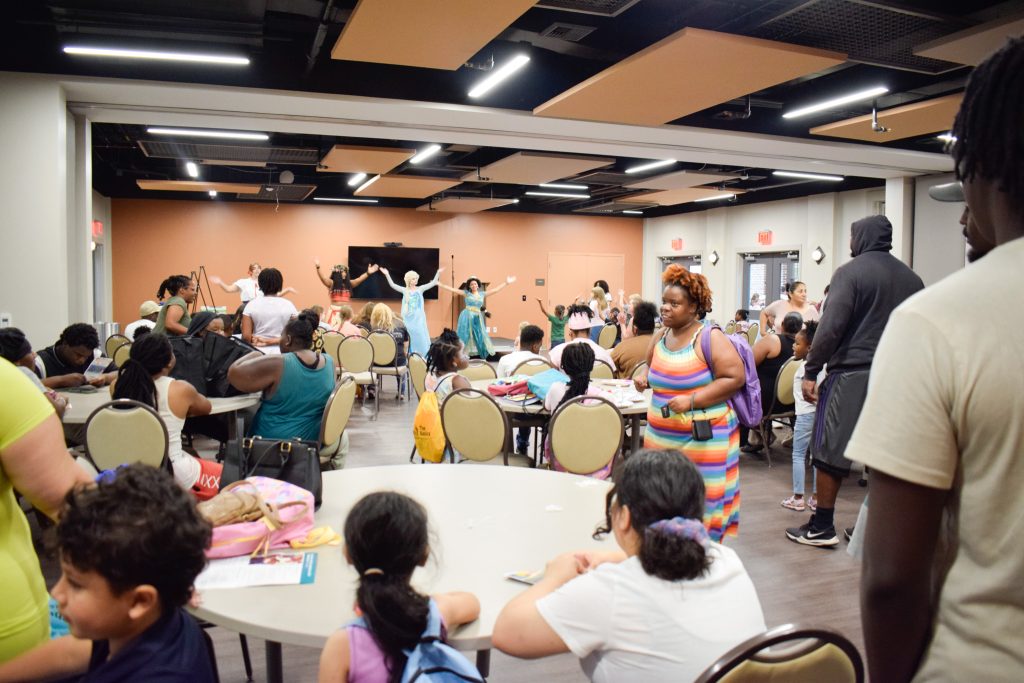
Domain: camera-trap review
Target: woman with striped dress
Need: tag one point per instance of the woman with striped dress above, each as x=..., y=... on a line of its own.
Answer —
x=685, y=389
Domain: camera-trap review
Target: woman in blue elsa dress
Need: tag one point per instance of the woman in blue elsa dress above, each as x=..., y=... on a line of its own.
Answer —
x=471, y=329
x=412, y=309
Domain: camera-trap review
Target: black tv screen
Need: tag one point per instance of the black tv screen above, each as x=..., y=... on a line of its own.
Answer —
x=397, y=260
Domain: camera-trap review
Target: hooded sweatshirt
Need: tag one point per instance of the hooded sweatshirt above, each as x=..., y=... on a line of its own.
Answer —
x=861, y=296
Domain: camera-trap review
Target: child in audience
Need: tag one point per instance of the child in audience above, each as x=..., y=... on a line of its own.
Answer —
x=557, y=323
x=530, y=340
x=742, y=320
x=516, y=341
x=14, y=347
x=579, y=323
x=446, y=356
x=345, y=326
x=363, y=319
x=662, y=608
x=64, y=364
x=577, y=363
x=130, y=548
x=386, y=539
x=804, y=426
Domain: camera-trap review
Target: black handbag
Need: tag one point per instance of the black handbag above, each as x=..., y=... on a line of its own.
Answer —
x=292, y=460
x=204, y=362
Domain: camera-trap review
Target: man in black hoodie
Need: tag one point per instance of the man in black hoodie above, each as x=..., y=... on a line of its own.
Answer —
x=861, y=296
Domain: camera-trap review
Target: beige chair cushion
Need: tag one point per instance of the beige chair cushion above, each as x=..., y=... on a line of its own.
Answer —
x=114, y=436
x=825, y=663
x=474, y=424
x=121, y=354
x=639, y=369
x=360, y=377
x=752, y=333
x=784, y=386
x=532, y=366
x=602, y=371
x=332, y=340
x=337, y=411
x=113, y=341
x=730, y=327
x=389, y=370
x=384, y=348
x=586, y=433
x=479, y=370
x=418, y=372
x=607, y=337
x=355, y=355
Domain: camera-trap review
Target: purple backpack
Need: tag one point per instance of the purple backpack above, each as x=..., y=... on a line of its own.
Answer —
x=747, y=401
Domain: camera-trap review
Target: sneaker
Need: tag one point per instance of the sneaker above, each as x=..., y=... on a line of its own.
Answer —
x=812, y=504
x=794, y=503
x=848, y=533
x=807, y=535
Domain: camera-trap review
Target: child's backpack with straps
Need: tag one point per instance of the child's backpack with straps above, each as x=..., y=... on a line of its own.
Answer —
x=427, y=431
x=747, y=401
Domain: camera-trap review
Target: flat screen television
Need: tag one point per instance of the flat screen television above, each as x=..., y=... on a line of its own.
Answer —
x=397, y=260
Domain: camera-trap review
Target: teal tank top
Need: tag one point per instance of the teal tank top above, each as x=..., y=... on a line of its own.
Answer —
x=296, y=408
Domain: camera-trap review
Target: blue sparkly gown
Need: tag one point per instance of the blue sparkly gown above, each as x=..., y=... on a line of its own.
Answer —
x=472, y=330
x=414, y=316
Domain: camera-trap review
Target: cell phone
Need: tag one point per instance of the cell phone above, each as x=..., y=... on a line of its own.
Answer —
x=701, y=430
x=665, y=412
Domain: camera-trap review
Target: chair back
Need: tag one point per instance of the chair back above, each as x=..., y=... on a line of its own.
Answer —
x=113, y=341
x=332, y=340
x=730, y=327
x=752, y=333
x=639, y=369
x=125, y=431
x=607, y=337
x=602, y=370
x=474, y=424
x=418, y=371
x=121, y=354
x=337, y=411
x=355, y=354
x=797, y=655
x=532, y=366
x=384, y=348
x=479, y=369
x=365, y=332
x=586, y=433
x=784, y=382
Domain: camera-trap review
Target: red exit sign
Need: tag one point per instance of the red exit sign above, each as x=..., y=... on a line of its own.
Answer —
x=764, y=237
x=677, y=244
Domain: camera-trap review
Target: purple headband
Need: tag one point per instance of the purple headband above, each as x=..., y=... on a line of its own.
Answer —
x=692, y=529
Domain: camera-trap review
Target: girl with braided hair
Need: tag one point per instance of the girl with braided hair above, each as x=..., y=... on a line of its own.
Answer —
x=445, y=358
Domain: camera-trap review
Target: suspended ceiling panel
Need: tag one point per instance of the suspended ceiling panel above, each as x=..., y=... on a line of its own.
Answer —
x=360, y=159
x=235, y=154
x=973, y=45
x=465, y=204
x=683, y=195
x=534, y=168
x=436, y=34
x=409, y=186
x=909, y=121
x=691, y=70
x=617, y=206
x=674, y=181
x=198, y=186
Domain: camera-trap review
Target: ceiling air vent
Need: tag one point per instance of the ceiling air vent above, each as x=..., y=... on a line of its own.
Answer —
x=604, y=8
x=308, y=156
x=570, y=32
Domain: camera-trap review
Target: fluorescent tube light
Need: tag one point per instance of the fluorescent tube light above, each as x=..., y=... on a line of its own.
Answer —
x=829, y=104
x=631, y=212
x=369, y=182
x=356, y=179
x=567, y=195
x=563, y=186
x=425, y=154
x=213, y=194
x=228, y=134
x=122, y=53
x=354, y=200
x=715, y=197
x=947, y=137
x=647, y=167
x=808, y=176
x=192, y=169
x=499, y=75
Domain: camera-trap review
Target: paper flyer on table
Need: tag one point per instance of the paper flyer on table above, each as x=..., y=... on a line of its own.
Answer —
x=281, y=569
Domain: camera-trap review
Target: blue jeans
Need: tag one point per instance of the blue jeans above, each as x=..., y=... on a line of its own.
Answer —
x=801, y=440
x=523, y=439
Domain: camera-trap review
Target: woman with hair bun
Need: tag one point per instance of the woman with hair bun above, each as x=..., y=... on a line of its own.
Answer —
x=663, y=607
x=687, y=389
x=295, y=384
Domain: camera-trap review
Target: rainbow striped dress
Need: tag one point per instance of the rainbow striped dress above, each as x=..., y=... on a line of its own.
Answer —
x=680, y=373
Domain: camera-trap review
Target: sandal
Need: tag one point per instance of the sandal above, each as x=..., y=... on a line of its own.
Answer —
x=794, y=503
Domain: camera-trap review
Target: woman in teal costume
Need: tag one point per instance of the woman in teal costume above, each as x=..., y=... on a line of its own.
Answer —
x=413, y=316
x=472, y=330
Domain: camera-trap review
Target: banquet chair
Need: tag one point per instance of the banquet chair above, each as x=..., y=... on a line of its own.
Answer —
x=335, y=419
x=474, y=425
x=479, y=369
x=586, y=434
x=125, y=431
x=385, y=355
x=602, y=370
x=789, y=653
x=783, y=405
x=532, y=366
x=418, y=373
x=113, y=341
x=332, y=340
x=639, y=369
x=752, y=333
x=607, y=337
x=730, y=327
x=355, y=356
x=121, y=354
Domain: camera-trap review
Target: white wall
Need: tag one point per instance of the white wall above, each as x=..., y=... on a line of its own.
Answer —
x=101, y=212
x=938, y=235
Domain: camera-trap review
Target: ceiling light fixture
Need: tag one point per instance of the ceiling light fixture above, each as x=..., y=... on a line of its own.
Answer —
x=192, y=169
x=356, y=179
x=633, y=212
x=946, y=137
x=227, y=134
x=563, y=186
x=369, y=182
x=567, y=195
x=121, y=53
x=818, y=255
x=353, y=200
x=712, y=198
x=426, y=153
x=809, y=176
x=647, y=167
x=499, y=75
x=830, y=104
x=213, y=194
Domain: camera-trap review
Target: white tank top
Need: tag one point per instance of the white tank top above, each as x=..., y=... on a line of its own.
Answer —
x=186, y=469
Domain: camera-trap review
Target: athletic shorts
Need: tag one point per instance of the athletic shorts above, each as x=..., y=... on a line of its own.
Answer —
x=840, y=400
x=208, y=484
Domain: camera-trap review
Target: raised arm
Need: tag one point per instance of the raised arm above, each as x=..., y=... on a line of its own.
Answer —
x=391, y=283
x=509, y=280
x=323, y=278
x=457, y=292
x=373, y=268
x=434, y=282
x=542, y=309
x=223, y=285
x=288, y=290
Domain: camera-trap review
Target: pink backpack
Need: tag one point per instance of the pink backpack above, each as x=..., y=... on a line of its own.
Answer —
x=288, y=515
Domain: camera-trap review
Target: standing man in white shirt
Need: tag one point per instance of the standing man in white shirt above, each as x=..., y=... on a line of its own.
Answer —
x=942, y=594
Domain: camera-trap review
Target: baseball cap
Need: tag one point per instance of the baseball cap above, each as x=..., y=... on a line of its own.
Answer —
x=148, y=308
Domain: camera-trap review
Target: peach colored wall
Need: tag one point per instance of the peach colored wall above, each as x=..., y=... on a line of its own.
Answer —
x=156, y=238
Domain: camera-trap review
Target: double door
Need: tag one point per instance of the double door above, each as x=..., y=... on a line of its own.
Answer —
x=765, y=277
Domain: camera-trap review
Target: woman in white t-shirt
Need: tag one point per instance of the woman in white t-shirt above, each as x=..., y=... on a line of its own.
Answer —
x=264, y=318
x=664, y=608
x=248, y=288
x=778, y=310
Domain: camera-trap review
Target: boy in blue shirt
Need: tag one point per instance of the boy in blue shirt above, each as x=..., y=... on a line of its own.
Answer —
x=130, y=548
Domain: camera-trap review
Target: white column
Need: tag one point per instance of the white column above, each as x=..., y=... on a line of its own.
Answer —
x=80, y=301
x=899, y=209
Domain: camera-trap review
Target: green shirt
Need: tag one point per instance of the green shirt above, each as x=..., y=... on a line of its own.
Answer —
x=161, y=320
x=557, y=328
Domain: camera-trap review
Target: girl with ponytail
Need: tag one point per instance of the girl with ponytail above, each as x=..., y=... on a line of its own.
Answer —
x=577, y=363
x=386, y=539
x=145, y=377
x=663, y=607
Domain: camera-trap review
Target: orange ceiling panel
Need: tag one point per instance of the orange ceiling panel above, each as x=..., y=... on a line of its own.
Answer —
x=679, y=179
x=436, y=34
x=409, y=186
x=198, y=186
x=465, y=204
x=687, y=72
x=534, y=168
x=909, y=121
x=971, y=46
x=683, y=195
x=360, y=159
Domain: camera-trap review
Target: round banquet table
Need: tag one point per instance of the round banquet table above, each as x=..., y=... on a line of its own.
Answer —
x=82, y=404
x=485, y=521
